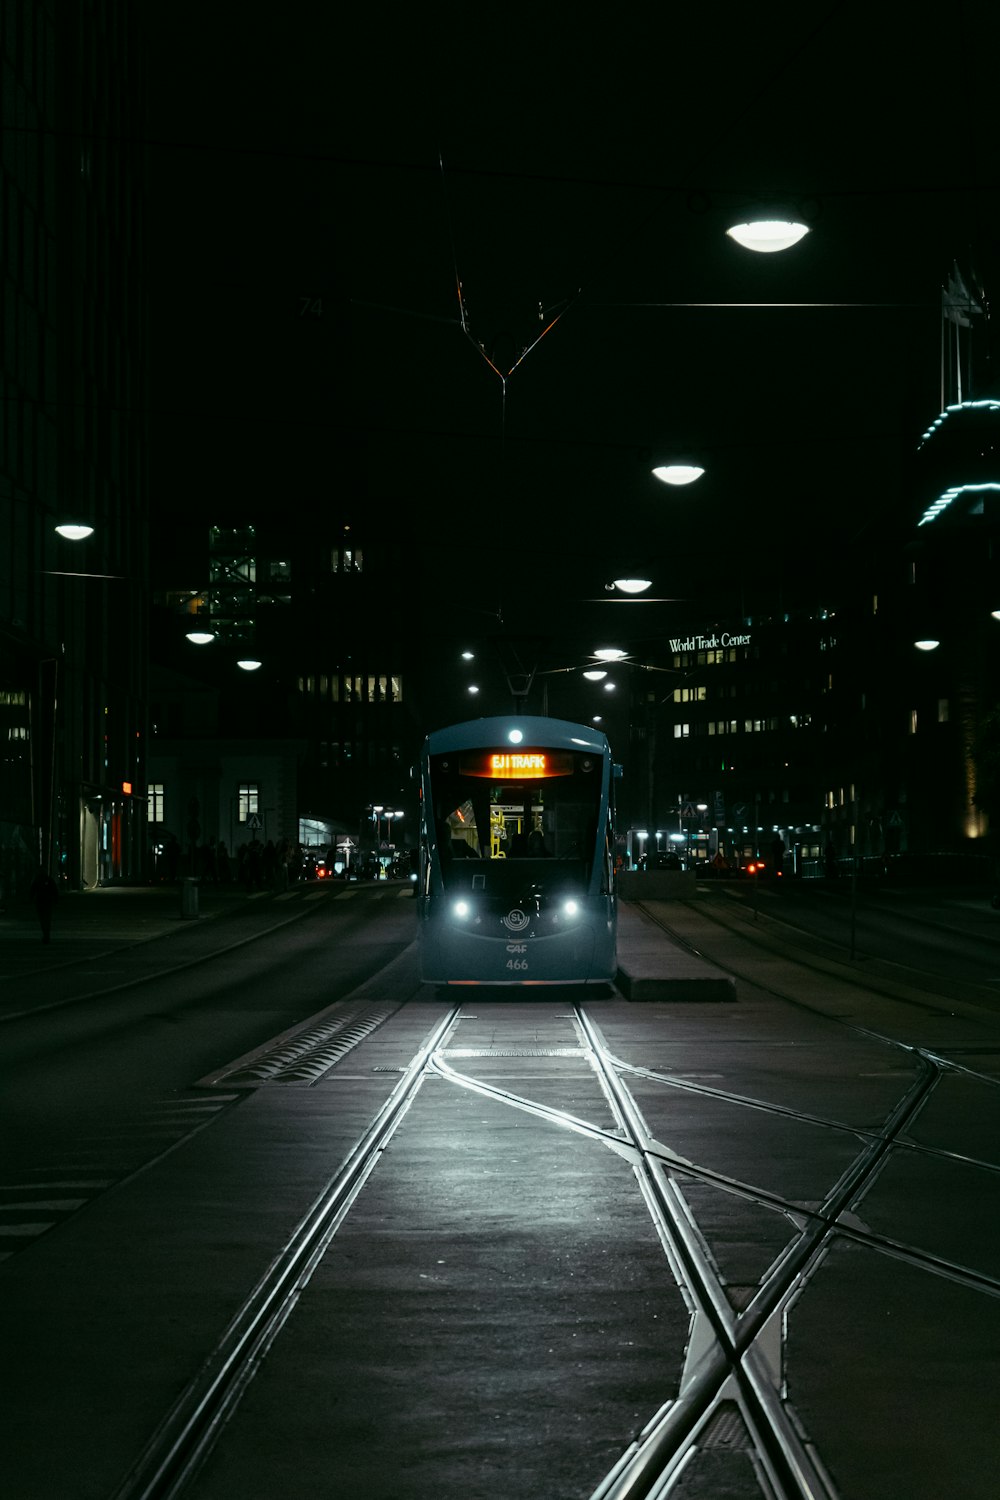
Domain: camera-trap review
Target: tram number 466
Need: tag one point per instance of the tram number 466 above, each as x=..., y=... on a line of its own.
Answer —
x=513, y=962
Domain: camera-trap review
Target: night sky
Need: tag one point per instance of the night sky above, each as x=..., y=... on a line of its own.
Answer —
x=319, y=188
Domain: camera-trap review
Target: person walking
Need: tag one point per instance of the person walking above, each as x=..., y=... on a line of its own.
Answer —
x=44, y=893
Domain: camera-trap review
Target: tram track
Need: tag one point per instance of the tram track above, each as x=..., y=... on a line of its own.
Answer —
x=736, y=1370
x=891, y=979
x=725, y=1366
x=731, y=1388
x=208, y=935
x=732, y=1372
x=189, y=1430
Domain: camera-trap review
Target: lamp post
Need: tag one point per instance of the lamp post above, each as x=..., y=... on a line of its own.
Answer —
x=90, y=810
x=388, y=818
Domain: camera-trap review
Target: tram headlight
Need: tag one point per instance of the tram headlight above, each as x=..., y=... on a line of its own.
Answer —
x=571, y=908
x=461, y=909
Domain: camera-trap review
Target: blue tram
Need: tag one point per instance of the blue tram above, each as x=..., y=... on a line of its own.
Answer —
x=517, y=875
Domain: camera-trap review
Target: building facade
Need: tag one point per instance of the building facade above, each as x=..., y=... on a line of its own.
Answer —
x=72, y=444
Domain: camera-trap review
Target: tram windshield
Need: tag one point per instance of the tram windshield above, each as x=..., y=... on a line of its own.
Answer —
x=535, y=806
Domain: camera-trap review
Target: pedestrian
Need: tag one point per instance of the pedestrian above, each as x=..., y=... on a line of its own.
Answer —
x=253, y=864
x=44, y=893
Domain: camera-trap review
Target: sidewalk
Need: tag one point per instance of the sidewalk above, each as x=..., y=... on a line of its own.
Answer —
x=85, y=923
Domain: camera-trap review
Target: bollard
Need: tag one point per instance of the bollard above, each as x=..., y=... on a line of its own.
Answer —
x=189, y=896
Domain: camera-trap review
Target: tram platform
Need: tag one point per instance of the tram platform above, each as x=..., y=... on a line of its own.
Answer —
x=652, y=967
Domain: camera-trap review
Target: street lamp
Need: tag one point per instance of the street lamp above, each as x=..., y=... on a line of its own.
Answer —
x=642, y=834
x=633, y=585
x=678, y=474
x=769, y=229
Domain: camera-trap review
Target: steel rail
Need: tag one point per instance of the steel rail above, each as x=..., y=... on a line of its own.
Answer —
x=791, y=1468
x=914, y=991
x=185, y=1436
x=297, y=915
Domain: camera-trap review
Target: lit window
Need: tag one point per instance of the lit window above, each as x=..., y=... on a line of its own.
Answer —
x=942, y=710
x=249, y=800
x=154, y=802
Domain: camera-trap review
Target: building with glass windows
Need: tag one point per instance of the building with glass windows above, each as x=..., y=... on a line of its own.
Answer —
x=72, y=444
x=289, y=642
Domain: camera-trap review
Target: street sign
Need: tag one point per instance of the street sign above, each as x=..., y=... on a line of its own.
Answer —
x=253, y=822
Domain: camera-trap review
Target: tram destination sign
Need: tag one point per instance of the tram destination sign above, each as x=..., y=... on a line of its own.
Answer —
x=520, y=765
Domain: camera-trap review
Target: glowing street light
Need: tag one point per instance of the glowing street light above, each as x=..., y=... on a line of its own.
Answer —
x=633, y=585
x=678, y=474
x=768, y=232
x=74, y=531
